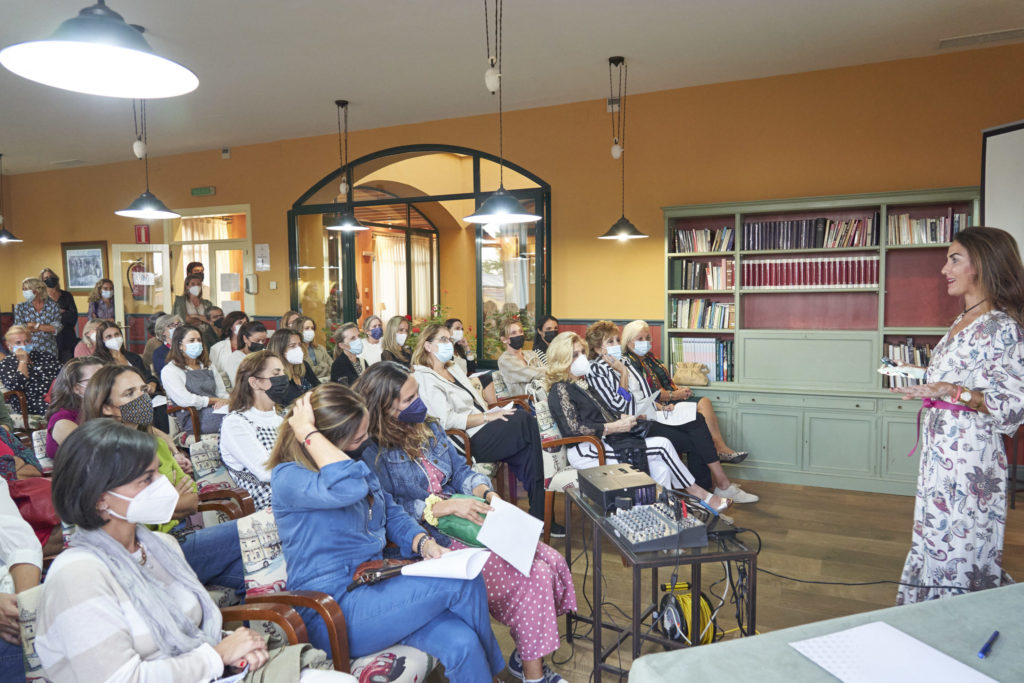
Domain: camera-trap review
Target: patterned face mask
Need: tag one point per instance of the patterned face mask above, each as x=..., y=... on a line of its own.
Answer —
x=138, y=411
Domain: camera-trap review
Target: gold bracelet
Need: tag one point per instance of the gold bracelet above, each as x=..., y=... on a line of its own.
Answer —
x=428, y=511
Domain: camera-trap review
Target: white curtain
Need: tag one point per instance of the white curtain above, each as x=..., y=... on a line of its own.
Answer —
x=515, y=264
x=420, y=247
x=389, y=276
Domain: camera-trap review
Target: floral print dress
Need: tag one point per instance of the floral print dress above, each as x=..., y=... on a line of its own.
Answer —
x=960, y=512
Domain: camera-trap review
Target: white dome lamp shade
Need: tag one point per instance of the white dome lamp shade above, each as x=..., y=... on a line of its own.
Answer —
x=98, y=53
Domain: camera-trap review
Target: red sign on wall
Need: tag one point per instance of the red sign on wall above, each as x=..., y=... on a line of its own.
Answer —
x=141, y=234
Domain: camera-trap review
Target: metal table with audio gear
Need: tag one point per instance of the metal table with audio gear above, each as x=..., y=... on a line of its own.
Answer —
x=649, y=537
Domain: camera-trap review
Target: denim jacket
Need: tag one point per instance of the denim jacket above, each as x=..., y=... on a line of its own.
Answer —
x=407, y=481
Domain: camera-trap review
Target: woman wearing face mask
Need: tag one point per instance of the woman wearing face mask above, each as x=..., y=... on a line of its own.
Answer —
x=229, y=344
x=252, y=337
x=101, y=300
x=190, y=381
x=508, y=435
x=348, y=364
x=417, y=464
x=193, y=308
x=318, y=487
x=288, y=319
x=547, y=330
x=651, y=376
x=610, y=377
x=286, y=344
x=213, y=552
x=110, y=349
x=62, y=415
x=466, y=359
x=157, y=620
x=249, y=431
x=164, y=328
x=580, y=411
x=396, y=332
x=518, y=367
x=373, y=331
x=27, y=369
x=40, y=315
x=87, y=345
x=316, y=354
x=66, y=338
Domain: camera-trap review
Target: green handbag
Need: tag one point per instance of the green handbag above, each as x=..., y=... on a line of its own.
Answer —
x=460, y=528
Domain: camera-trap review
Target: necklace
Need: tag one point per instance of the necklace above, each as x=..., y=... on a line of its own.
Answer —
x=142, y=549
x=966, y=310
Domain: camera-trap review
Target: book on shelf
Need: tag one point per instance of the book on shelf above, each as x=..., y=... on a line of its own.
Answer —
x=702, y=275
x=910, y=353
x=703, y=314
x=704, y=239
x=811, y=233
x=902, y=229
x=819, y=272
x=717, y=354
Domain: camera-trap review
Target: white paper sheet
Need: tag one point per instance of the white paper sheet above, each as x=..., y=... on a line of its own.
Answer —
x=223, y=410
x=458, y=564
x=512, y=534
x=235, y=678
x=879, y=653
x=262, y=255
x=229, y=306
x=159, y=400
x=681, y=413
x=230, y=282
x=645, y=406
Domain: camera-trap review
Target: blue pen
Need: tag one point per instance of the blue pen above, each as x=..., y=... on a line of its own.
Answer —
x=983, y=652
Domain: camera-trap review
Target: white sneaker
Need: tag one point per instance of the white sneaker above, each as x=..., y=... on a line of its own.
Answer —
x=737, y=494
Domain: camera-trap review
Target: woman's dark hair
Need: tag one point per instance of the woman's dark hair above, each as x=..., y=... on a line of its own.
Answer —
x=100, y=350
x=278, y=344
x=994, y=254
x=151, y=323
x=95, y=458
x=380, y=385
x=189, y=278
x=62, y=394
x=458, y=347
x=242, y=396
x=538, y=338
x=229, y=322
x=249, y=329
x=97, y=394
x=337, y=413
x=176, y=356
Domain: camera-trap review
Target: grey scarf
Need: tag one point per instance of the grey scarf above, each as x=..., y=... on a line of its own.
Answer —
x=172, y=630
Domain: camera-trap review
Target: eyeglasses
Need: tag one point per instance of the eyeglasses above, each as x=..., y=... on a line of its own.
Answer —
x=442, y=340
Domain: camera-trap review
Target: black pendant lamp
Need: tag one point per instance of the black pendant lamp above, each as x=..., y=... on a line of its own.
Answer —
x=346, y=220
x=501, y=208
x=622, y=229
x=98, y=53
x=147, y=205
x=5, y=234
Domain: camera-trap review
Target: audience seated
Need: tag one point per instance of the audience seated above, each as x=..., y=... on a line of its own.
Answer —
x=252, y=337
x=153, y=341
x=318, y=487
x=110, y=348
x=101, y=300
x=64, y=411
x=547, y=329
x=249, y=431
x=194, y=309
x=465, y=358
x=213, y=552
x=21, y=561
x=67, y=337
x=286, y=344
x=288, y=320
x=27, y=369
x=348, y=363
x=373, y=331
x=39, y=315
x=579, y=410
x=229, y=345
x=122, y=603
x=416, y=463
x=518, y=366
x=191, y=382
x=396, y=332
x=509, y=435
x=164, y=327
x=87, y=344
x=316, y=354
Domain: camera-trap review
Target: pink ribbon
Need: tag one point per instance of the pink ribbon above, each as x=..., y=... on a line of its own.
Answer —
x=936, y=403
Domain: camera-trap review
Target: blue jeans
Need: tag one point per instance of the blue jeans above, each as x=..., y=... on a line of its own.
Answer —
x=12, y=666
x=216, y=556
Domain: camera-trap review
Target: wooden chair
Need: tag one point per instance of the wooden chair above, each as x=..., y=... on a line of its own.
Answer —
x=197, y=435
x=24, y=431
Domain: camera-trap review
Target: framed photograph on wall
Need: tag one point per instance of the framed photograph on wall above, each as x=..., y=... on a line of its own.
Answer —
x=84, y=264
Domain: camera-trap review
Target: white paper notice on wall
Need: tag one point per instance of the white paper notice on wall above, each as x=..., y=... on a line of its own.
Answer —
x=143, y=279
x=229, y=306
x=230, y=282
x=262, y=257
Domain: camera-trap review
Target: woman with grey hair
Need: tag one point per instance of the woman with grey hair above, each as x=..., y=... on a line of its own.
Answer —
x=164, y=328
x=40, y=315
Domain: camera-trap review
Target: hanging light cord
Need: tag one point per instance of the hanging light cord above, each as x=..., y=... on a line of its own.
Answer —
x=495, y=61
x=619, y=120
x=139, y=118
x=1, y=189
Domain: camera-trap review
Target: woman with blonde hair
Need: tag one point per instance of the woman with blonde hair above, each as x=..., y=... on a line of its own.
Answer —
x=518, y=366
x=288, y=320
x=87, y=345
x=317, y=486
x=67, y=337
x=373, y=331
x=27, y=369
x=580, y=411
x=394, y=348
x=101, y=300
x=316, y=354
x=39, y=315
x=348, y=363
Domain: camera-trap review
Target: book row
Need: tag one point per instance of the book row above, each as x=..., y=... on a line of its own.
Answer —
x=908, y=352
x=826, y=271
x=811, y=233
x=704, y=240
x=717, y=354
x=685, y=274
x=703, y=314
x=906, y=230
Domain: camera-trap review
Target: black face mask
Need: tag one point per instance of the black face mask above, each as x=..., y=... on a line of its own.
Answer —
x=550, y=335
x=516, y=342
x=219, y=323
x=256, y=346
x=51, y=282
x=279, y=389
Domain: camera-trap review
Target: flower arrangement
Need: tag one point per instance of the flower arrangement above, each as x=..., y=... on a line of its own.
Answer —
x=438, y=315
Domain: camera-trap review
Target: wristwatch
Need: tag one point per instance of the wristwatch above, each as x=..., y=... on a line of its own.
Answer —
x=964, y=396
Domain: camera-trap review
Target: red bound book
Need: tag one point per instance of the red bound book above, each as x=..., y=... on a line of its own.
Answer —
x=730, y=273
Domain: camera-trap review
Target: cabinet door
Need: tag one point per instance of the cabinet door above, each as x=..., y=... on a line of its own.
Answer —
x=774, y=436
x=841, y=443
x=898, y=437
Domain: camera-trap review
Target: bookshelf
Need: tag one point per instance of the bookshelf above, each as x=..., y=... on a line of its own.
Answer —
x=819, y=289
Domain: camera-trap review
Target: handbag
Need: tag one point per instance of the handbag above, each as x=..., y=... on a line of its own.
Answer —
x=631, y=447
x=375, y=571
x=460, y=528
x=691, y=374
x=35, y=503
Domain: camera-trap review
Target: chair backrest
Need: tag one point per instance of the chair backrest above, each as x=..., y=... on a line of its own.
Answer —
x=28, y=607
x=262, y=557
x=501, y=389
x=555, y=459
x=39, y=447
x=207, y=468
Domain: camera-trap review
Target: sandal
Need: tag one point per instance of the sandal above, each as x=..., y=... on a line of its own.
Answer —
x=733, y=458
x=706, y=503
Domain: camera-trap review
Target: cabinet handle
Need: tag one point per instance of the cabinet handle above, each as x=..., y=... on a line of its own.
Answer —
x=753, y=400
x=856, y=405
x=899, y=407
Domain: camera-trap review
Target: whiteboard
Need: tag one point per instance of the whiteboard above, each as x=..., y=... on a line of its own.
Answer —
x=1002, y=179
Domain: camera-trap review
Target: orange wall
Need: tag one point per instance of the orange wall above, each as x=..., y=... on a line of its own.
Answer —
x=909, y=124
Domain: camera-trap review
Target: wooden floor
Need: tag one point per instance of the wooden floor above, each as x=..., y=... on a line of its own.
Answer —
x=809, y=533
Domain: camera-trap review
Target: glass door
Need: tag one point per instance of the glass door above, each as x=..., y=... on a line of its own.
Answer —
x=227, y=270
x=142, y=286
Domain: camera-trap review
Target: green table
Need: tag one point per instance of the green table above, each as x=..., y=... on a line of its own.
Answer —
x=957, y=626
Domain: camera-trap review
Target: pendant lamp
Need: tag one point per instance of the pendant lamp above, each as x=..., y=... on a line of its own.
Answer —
x=5, y=234
x=98, y=53
x=345, y=221
x=622, y=229
x=147, y=205
x=501, y=208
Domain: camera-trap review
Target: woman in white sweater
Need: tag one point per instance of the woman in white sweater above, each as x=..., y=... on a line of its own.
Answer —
x=373, y=329
x=230, y=344
x=249, y=431
x=190, y=381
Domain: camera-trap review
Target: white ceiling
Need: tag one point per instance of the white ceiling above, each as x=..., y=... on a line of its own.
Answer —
x=271, y=70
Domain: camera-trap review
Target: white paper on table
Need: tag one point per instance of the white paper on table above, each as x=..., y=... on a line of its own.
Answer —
x=223, y=410
x=879, y=653
x=645, y=406
x=681, y=413
x=466, y=563
x=230, y=282
x=512, y=534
